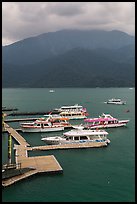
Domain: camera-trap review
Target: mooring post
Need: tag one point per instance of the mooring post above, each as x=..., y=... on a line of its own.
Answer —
x=3, y=120
x=9, y=147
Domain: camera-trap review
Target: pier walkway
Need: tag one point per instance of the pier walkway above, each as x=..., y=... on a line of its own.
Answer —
x=37, y=164
x=16, y=135
x=69, y=146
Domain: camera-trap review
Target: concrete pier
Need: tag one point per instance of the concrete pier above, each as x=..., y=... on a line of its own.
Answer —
x=37, y=164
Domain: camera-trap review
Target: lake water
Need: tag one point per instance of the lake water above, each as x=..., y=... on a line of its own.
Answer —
x=89, y=175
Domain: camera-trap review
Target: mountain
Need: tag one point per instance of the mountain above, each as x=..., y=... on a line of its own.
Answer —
x=70, y=58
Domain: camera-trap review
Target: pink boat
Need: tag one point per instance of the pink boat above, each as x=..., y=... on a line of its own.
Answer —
x=104, y=121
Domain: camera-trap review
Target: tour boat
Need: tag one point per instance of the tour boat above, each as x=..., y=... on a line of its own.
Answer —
x=41, y=125
x=116, y=101
x=104, y=121
x=72, y=112
x=71, y=108
x=78, y=137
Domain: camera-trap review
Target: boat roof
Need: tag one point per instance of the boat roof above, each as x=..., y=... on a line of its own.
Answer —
x=70, y=112
x=72, y=106
x=85, y=132
x=115, y=99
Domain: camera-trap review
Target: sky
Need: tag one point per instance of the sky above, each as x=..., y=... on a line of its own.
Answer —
x=21, y=20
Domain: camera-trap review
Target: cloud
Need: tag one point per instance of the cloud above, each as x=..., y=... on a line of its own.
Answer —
x=21, y=20
x=68, y=9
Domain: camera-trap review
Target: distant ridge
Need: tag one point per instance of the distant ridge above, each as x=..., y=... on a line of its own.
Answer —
x=70, y=58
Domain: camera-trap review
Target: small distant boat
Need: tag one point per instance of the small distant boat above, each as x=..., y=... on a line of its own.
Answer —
x=117, y=101
x=127, y=111
x=51, y=90
x=104, y=121
x=78, y=137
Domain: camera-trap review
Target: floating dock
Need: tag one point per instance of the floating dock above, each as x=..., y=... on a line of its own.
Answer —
x=9, y=109
x=70, y=146
x=20, y=119
x=29, y=113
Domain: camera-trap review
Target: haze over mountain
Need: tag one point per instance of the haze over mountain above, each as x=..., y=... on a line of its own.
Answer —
x=70, y=58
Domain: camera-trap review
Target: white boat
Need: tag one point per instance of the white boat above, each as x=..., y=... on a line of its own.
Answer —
x=78, y=136
x=104, y=121
x=51, y=91
x=41, y=125
x=72, y=112
x=116, y=101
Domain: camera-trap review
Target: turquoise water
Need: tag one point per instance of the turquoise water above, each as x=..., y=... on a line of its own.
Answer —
x=89, y=175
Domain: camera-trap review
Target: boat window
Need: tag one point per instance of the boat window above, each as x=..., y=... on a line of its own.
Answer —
x=38, y=125
x=46, y=125
x=110, y=122
x=76, y=138
x=83, y=138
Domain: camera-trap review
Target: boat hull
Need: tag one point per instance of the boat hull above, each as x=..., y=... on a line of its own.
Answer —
x=76, y=117
x=47, y=129
x=117, y=103
x=53, y=141
x=105, y=126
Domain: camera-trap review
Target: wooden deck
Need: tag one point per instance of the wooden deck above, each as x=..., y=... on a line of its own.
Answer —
x=37, y=164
